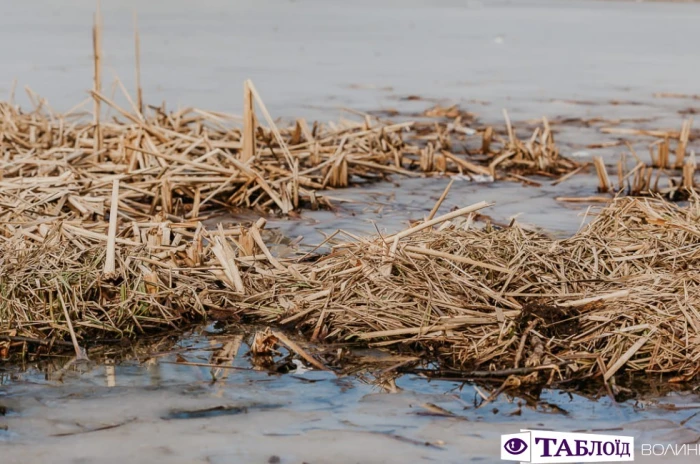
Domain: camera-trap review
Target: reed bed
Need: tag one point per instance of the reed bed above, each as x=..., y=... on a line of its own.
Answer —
x=185, y=162
x=645, y=180
x=619, y=296
x=102, y=237
x=672, y=179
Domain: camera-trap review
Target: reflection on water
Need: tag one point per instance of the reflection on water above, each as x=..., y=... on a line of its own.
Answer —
x=201, y=399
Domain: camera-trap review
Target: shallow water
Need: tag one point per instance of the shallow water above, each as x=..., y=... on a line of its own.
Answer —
x=153, y=407
x=310, y=58
x=390, y=207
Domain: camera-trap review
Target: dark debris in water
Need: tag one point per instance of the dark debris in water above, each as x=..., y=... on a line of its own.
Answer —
x=216, y=411
x=95, y=429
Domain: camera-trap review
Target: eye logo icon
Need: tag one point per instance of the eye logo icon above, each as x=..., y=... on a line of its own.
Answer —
x=515, y=446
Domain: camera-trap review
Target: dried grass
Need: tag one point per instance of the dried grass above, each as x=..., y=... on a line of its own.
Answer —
x=620, y=295
x=101, y=236
x=674, y=181
x=186, y=162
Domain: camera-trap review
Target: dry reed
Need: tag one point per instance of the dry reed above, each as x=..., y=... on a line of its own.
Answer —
x=101, y=236
x=674, y=181
x=188, y=161
x=620, y=295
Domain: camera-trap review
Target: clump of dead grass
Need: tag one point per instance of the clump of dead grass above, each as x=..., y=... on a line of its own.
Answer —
x=537, y=155
x=673, y=179
x=187, y=162
x=620, y=295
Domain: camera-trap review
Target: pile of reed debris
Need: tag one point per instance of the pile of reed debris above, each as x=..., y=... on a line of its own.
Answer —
x=184, y=162
x=620, y=295
x=645, y=179
x=101, y=238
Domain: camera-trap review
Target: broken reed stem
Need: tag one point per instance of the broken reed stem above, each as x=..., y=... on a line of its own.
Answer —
x=248, y=135
x=622, y=360
x=455, y=258
x=683, y=139
x=298, y=350
x=689, y=172
x=78, y=352
x=602, y=172
x=585, y=301
x=271, y=123
x=440, y=200
x=255, y=233
x=137, y=57
x=97, y=76
x=438, y=220
x=486, y=139
x=663, y=154
x=568, y=176
x=292, y=165
x=509, y=126
x=110, y=259
x=227, y=258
